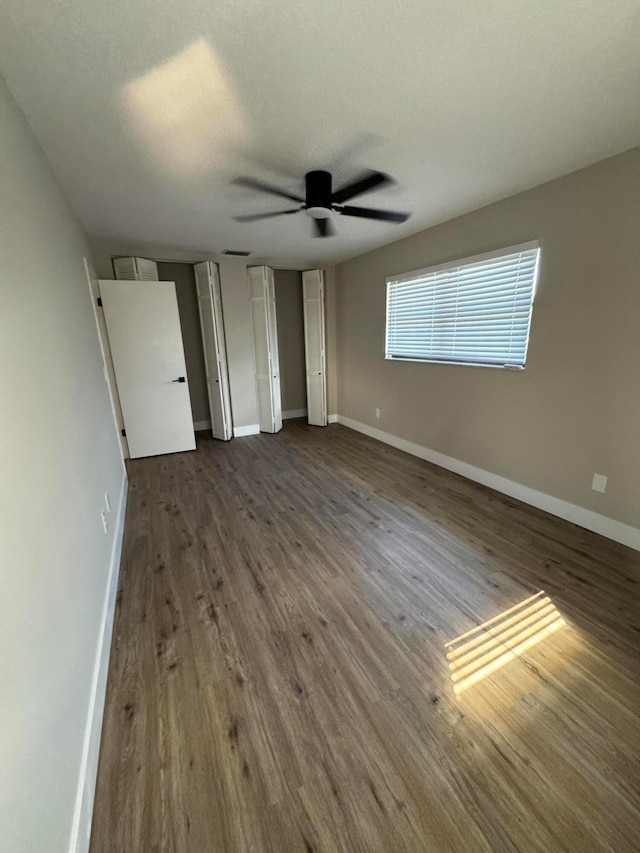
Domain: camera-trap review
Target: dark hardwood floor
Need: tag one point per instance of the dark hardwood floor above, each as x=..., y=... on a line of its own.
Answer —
x=287, y=644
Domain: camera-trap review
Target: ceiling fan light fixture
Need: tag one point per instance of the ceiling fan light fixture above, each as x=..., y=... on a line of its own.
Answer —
x=318, y=212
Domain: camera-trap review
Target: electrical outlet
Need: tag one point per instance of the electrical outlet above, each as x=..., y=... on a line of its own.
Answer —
x=104, y=520
x=107, y=501
x=599, y=483
x=377, y=413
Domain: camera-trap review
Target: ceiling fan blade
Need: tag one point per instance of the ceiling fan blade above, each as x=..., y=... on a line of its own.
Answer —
x=370, y=213
x=323, y=228
x=253, y=217
x=253, y=184
x=368, y=181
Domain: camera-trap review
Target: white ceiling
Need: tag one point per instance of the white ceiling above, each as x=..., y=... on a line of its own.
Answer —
x=147, y=108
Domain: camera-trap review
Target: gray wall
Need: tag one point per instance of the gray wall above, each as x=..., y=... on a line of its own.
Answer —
x=59, y=453
x=184, y=278
x=575, y=410
x=289, y=313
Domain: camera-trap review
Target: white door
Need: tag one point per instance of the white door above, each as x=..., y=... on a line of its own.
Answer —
x=265, y=348
x=146, y=346
x=314, y=346
x=215, y=349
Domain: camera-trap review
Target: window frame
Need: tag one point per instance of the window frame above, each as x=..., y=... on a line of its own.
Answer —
x=458, y=262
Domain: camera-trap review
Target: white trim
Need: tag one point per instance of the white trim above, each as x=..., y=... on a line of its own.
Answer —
x=294, y=413
x=252, y=429
x=616, y=530
x=333, y=419
x=198, y=426
x=516, y=367
x=83, y=811
x=462, y=262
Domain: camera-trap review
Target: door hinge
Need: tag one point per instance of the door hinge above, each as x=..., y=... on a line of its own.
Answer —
x=124, y=433
x=99, y=301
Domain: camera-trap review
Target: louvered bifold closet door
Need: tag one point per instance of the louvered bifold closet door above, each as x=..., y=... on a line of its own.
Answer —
x=265, y=348
x=273, y=350
x=135, y=269
x=215, y=348
x=314, y=346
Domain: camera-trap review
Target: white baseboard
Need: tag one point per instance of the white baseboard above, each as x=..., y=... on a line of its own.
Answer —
x=198, y=426
x=333, y=419
x=83, y=812
x=252, y=429
x=294, y=413
x=616, y=530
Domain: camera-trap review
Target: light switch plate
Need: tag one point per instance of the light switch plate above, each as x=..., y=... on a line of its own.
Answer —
x=599, y=483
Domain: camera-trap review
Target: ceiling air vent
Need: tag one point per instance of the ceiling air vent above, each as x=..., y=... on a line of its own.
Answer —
x=237, y=252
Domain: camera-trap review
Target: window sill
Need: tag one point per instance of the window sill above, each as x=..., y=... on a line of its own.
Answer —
x=516, y=367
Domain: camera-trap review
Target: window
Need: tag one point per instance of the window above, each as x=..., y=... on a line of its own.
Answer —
x=473, y=311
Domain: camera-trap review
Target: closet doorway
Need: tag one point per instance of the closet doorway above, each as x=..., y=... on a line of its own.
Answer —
x=200, y=309
x=198, y=326
x=290, y=323
x=184, y=277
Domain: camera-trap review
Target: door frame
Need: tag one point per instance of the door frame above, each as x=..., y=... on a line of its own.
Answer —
x=107, y=361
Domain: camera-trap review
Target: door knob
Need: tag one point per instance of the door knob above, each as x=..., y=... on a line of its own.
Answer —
x=179, y=379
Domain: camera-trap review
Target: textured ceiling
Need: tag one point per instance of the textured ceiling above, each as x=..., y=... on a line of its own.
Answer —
x=147, y=108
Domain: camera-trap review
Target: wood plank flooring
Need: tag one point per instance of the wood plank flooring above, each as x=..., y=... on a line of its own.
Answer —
x=279, y=678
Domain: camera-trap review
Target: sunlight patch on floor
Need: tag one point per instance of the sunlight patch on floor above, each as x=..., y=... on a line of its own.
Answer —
x=485, y=649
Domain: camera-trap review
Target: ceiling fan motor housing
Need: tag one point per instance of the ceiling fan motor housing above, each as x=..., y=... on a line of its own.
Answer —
x=318, y=194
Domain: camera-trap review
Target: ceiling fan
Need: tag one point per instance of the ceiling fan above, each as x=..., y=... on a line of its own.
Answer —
x=321, y=201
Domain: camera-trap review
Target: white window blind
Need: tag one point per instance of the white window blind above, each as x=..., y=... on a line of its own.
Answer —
x=473, y=311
